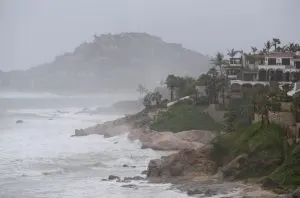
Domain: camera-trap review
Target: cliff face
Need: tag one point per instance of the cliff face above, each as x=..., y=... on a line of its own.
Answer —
x=111, y=62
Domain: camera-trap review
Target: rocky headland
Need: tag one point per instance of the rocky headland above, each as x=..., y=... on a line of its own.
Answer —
x=204, y=163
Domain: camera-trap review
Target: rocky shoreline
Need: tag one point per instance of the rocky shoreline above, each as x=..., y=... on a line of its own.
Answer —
x=164, y=141
x=190, y=168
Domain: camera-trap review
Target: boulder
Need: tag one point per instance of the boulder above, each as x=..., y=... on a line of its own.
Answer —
x=113, y=177
x=133, y=186
x=184, y=163
x=19, y=122
x=268, y=183
x=145, y=172
x=296, y=193
x=135, y=178
x=192, y=192
x=127, y=166
x=80, y=132
x=167, y=141
x=233, y=167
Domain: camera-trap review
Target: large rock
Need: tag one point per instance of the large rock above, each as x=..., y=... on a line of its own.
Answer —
x=19, y=122
x=168, y=141
x=233, y=167
x=188, y=162
x=80, y=132
x=296, y=193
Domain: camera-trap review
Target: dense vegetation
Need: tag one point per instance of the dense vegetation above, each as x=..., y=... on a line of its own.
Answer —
x=182, y=117
x=269, y=155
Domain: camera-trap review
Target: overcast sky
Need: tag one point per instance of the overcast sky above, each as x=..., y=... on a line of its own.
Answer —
x=35, y=31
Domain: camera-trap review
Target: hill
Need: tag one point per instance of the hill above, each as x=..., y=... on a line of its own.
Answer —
x=110, y=62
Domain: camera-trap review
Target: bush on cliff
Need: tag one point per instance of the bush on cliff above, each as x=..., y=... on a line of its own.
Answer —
x=182, y=117
x=288, y=174
x=268, y=156
x=264, y=147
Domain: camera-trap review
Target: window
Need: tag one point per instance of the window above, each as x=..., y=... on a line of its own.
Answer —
x=272, y=61
x=286, y=61
x=297, y=64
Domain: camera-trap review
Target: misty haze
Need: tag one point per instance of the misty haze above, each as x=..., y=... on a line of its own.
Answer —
x=140, y=98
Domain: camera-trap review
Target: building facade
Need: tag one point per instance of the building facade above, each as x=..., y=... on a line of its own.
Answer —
x=252, y=70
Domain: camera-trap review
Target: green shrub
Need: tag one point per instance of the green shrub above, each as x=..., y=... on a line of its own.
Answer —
x=182, y=117
x=264, y=146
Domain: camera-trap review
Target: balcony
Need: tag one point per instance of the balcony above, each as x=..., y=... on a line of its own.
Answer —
x=235, y=62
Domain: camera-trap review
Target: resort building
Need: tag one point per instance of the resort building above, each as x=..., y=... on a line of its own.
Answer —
x=252, y=70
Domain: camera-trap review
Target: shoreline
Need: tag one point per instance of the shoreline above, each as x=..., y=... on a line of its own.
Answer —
x=164, y=141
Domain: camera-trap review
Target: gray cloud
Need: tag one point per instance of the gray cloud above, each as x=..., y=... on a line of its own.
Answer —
x=33, y=31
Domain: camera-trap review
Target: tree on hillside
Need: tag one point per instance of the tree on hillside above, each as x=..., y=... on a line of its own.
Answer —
x=296, y=107
x=147, y=100
x=221, y=86
x=232, y=53
x=230, y=120
x=262, y=104
x=203, y=79
x=254, y=50
x=172, y=83
x=268, y=46
x=286, y=88
x=275, y=43
x=292, y=47
x=141, y=89
x=211, y=86
x=218, y=61
x=186, y=86
x=156, y=96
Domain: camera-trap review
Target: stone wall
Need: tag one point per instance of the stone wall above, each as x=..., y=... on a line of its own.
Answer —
x=283, y=118
x=286, y=106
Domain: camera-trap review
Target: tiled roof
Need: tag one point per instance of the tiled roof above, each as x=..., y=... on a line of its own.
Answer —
x=296, y=57
x=281, y=54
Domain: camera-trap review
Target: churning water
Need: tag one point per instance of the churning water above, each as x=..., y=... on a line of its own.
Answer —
x=39, y=159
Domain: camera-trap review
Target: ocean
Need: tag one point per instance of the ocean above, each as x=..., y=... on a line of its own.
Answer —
x=40, y=159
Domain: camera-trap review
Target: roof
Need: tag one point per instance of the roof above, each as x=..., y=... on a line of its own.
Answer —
x=281, y=55
x=297, y=57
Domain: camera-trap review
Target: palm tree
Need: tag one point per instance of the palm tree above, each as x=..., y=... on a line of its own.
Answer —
x=141, y=89
x=254, y=50
x=292, y=47
x=147, y=100
x=262, y=104
x=232, y=53
x=172, y=83
x=156, y=96
x=221, y=86
x=268, y=46
x=219, y=61
x=211, y=85
x=276, y=41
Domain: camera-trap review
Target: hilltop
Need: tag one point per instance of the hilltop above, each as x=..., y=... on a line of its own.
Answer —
x=110, y=62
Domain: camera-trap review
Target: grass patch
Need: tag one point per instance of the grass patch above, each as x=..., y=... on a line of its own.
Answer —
x=183, y=117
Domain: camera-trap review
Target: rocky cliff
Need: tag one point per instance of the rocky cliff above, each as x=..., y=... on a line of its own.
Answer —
x=110, y=62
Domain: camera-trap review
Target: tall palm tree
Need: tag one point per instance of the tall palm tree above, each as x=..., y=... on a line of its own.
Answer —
x=219, y=61
x=211, y=85
x=232, y=53
x=157, y=97
x=292, y=47
x=141, y=89
x=268, y=46
x=172, y=83
x=276, y=41
x=254, y=49
x=262, y=104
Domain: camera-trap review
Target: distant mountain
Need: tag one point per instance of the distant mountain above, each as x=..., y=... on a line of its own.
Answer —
x=110, y=63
